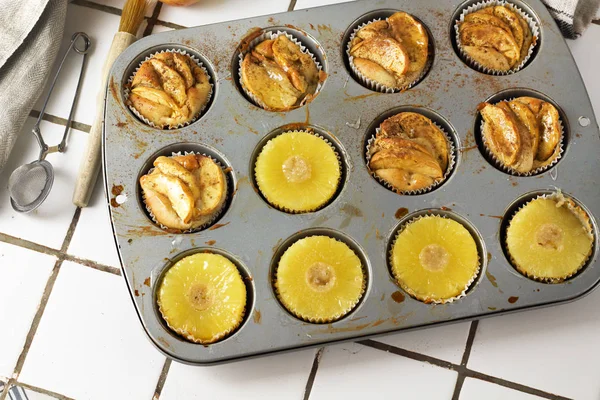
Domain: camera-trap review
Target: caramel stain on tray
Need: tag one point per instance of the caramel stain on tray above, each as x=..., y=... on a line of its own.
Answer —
x=362, y=96
x=114, y=90
x=113, y=202
x=489, y=256
x=147, y=231
x=121, y=124
x=492, y=308
x=446, y=208
x=513, y=299
x=378, y=235
x=491, y=278
x=164, y=342
x=322, y=28
x=117, y=190
x=495, y=216
x=398, y=297
x=245, y=126
x=277, y=245
x=147, y=281
x=311, y=26
x=136, y=292
x=401, y=212
x=211, y=242
x=257, y=317
x=217, y=226
x=252, y=34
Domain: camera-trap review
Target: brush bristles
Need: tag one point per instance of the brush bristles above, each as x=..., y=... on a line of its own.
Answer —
x=132, y=16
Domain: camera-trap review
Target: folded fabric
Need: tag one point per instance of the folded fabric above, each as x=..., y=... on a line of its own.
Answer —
x=31, y=33
x=573, y=16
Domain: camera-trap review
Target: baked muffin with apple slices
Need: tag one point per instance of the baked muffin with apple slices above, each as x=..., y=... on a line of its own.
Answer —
x=393, y=53
x=434, y=259
x=202, y=297
x=319, y=279
x=409, y=153
x=523, y=135
x=297, y=172
x=184, y=193
x=550, y=238
x=169, y=90
x=278, y=75
x=497, y=37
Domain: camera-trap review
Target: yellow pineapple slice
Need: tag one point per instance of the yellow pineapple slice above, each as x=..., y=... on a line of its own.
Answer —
x=435, y=259
x=549, y=239
x=202, y=297
x=297, y=171
x=319, y=279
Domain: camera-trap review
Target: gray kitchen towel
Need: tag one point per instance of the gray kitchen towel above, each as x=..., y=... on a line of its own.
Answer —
x=573, y=16
x=30, y=35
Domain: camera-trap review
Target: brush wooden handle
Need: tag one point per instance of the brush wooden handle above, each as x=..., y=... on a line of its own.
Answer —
x=90, y=163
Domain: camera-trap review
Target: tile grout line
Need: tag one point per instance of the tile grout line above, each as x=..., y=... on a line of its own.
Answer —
x=15, y=241
x=460, y=380
x=152, y=20
x=292, y=5
x=96, y=6
x=170, y=25
x=61, y=121
x=460, y=369
x=409, y=354
x=44, y=300
x=58, y=396
x=313, y=373
x=513, y=385
x=162, y=379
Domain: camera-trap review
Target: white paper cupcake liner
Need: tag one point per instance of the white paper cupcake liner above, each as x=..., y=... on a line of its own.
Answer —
x=579, y=212
x=449, y=167
x=337, y=156
x=126, y=91
x=409, y=290
x=376, y=86
x=213, y=217
x=271, y=36
x=535, y=32
x=546, y=165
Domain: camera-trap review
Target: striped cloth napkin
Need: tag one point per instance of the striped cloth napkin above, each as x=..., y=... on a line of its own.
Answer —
x=573, y=16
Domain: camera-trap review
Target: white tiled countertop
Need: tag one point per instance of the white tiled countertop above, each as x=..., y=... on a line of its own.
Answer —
x=68, y=328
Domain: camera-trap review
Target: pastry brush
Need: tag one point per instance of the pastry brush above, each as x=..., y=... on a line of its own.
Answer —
x=131, y=20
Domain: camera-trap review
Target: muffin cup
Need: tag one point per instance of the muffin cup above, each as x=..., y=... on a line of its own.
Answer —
x=326, y=320
x=409, y=290
x=212, y=217
x=546, y=165
x=287, y=210
x=144, y=119
x=273, y=35
x=583, y=217
x=449, y=167
x=376, y=86
x=535, y=32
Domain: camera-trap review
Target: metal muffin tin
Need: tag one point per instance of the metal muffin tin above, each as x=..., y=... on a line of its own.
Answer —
x=254, y=234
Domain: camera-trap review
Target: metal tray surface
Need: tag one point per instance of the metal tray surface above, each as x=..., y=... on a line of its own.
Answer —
x=254, y=234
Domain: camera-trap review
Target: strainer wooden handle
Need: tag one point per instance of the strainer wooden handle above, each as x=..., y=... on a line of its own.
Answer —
x=91, y=161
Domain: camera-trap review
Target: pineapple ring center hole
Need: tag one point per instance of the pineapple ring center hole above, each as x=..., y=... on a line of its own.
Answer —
x=320, y=276
x=201, y=297
x=296, y=169
x=434, y=257
x=550, y=236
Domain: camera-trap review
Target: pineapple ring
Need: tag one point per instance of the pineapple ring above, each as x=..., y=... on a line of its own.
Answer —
x=297, y=171
x=549, y=239
x=434, y=259
x=202, y=297
x=319, y=279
